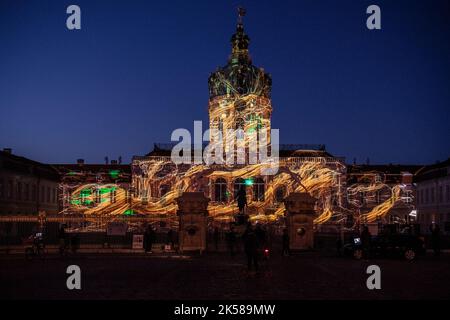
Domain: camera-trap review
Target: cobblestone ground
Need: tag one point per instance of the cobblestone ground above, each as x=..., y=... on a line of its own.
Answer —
x=311, y=275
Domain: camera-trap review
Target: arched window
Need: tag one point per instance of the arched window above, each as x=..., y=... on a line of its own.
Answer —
x=239, y=123
x=238, y=184
x=280, y=194
x=163, y=189
x=258, y=189
x=220, y=190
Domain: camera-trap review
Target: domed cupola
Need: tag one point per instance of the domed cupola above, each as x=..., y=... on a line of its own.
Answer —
x=239, y=76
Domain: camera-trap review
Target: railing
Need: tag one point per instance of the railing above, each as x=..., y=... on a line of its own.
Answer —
x=91, y=230
x=289, y=147
x=282, y=159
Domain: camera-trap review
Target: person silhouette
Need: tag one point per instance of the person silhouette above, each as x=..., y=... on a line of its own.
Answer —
x=241, y=198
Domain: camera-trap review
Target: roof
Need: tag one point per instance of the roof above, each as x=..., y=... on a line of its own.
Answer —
x=304, y=153
x=88, y=173
x=22, y=165
x=286, y=150
x=91, y=167
x=389, y=174
x=383, y=168
x=434, y=171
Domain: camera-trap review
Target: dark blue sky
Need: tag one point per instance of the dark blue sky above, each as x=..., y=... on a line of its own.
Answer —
x=138, y=69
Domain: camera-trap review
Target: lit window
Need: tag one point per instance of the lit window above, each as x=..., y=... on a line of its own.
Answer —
x=220, y=190
x=258, y=190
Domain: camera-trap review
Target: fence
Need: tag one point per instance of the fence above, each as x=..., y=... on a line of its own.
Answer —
x=90, y=231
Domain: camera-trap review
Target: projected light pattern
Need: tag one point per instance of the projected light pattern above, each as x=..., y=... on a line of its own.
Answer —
x=157, y=182
x=323, y=180
x=239, y=98
x=250, y=113
x=93, y=198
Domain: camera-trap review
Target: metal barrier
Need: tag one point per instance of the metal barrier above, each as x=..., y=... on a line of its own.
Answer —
x=90, y=231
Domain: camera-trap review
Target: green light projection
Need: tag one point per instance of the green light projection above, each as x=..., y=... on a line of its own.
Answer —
x=114, y=174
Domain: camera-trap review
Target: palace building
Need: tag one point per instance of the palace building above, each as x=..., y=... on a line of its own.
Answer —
x=240, y=99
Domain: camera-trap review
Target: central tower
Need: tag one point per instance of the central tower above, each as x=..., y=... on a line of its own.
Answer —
x=239, y=92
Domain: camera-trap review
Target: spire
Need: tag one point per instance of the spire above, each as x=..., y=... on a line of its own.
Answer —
x=239, y=76
x=241, y=14
x=240, y=41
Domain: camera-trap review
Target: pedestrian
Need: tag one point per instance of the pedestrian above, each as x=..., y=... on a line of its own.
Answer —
x=251, y=247
x=435, y=239
x=231, y=240
x=148, y=239
x=216, y=238
x=170, y=240
x=285, y=243
x=62, y=239
x=241, y=198
x=261, y=235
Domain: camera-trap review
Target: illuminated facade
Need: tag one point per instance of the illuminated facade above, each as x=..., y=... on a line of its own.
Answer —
x=240, y=99
x=92, y=189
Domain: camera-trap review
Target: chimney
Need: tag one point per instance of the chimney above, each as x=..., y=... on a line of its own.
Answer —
x=120, y=159
x=7, y=150
x=80, y=161
x=106, y=160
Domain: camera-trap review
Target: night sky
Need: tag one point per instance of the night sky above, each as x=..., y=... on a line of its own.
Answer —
x=138, y=70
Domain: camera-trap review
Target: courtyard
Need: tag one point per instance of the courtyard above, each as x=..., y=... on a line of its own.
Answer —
x=162, y=276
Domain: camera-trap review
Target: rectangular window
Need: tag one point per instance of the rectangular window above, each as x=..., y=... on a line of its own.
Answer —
x=447, y=188
x=48, y=194
x=42, y=195
x=27, y=192
x=440, y=196
x=9, y=194
x=427, y=195
x=112, y=196
x=432, y=195
x=19, y=190
x=33, y=193
x=98, y=196
x=2, y=189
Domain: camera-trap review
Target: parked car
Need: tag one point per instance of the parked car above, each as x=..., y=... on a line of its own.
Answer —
x=391, y=245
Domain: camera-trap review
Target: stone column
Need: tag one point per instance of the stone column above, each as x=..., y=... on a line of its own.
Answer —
x=192, y=213
x=299, y=218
